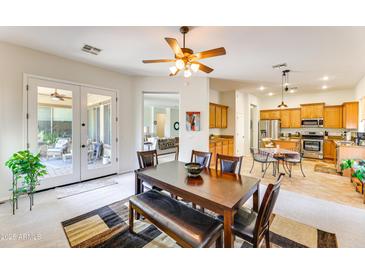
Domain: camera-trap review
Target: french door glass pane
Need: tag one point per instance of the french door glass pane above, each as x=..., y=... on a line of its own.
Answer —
x=99, y=130
x=54, y=107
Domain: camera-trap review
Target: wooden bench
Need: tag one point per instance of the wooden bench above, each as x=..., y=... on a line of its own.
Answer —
x=187, y=226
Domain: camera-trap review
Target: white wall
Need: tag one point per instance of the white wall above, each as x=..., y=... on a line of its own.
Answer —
x=194, y=96
x=359, y=93
x=331, y=97
x=14, y=61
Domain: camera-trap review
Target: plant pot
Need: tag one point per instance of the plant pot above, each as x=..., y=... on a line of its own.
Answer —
x=358, y=185
x=347, y=172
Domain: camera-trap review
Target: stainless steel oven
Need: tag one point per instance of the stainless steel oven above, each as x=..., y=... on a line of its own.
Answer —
x=312, y=144
x=314, y=122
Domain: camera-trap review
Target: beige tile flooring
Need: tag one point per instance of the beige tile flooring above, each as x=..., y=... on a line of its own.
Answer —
x=317, y=200
x=316, y=184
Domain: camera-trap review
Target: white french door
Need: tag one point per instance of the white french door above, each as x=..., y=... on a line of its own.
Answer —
x=98, y=133
x=73, y=128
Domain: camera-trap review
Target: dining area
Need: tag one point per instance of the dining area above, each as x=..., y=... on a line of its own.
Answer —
x=200, y=206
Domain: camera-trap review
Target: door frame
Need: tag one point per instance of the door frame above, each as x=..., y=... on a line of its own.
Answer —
x=25, y=110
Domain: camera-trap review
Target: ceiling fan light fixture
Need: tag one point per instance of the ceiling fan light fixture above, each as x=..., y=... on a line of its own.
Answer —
x=194, y=67
x=187, y=73
x=54, y=98
x=173, y=69
x=180, y=64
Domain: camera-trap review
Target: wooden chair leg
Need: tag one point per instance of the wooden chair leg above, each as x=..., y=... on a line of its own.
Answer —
x=267, y=238
x=194, y=206
x=301, y=169
x=253, y=163
x=219, y=242
x=131, y=218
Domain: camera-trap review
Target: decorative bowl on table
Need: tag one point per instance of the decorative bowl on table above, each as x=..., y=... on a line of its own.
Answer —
x=194, y=169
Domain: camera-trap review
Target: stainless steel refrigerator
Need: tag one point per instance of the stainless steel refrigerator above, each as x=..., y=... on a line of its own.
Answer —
x=268, y=129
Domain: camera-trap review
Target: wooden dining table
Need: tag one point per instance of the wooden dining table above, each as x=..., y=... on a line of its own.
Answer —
x=222, y=193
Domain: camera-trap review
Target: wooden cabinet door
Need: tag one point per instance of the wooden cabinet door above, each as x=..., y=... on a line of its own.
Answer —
x=295, y=121
x=218, y=148
x=285, y=118
x=211, y=116
x=312, y=111
x=225, y=147
x=230, y=148
x=327, y=149
x=213, y=151
x=332, y=117
x=264, y=115
x=218, y=116
x=274, y=114
x=224, y=117
x=350, y=115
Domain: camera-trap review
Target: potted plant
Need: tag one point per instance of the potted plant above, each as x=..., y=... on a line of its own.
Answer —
x=357, y=173
x=346, y=167
x=27, y=169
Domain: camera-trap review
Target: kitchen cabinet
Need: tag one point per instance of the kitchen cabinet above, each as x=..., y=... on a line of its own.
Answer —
x=211, y=116
x=309, y=111
x=350, y=115
x=224, y=117
x=270, y=114
x=290, y=118
x=218, y=116
x=332, y=117
x=329, y=150
x=222, y=146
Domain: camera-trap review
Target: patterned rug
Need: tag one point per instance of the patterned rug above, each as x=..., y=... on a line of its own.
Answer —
x=108, y=227
x=71, y=190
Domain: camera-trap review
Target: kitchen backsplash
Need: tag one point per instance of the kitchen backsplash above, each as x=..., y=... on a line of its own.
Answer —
x=331, y=131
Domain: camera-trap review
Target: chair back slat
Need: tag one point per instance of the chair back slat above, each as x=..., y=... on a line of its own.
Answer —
x=147, y=158
x=201, y=157
x=267, y=206
x=229, y=164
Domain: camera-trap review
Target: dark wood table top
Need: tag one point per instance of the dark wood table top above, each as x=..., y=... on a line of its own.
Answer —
x=225, y=191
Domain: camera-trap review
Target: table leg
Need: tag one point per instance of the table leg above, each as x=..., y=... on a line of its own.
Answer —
x=228, y=236
x=138, y=190
x=256, y=199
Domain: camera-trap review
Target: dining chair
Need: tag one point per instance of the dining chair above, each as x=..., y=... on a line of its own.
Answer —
x=291, y=160
x=265, y=159
x=147, y=159
x=228, y=164
x=252, y=226
x=201, y=157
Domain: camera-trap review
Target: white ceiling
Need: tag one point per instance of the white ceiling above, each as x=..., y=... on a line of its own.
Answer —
x=313, y=52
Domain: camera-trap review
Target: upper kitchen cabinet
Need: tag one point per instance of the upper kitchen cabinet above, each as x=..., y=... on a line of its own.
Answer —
x=218, y=115
x=332, y=117
x=350, y=115
x=309, y=111
x=290, y=118
x=273, y=114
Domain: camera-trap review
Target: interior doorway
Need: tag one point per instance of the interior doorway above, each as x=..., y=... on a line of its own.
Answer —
x=253, y=126
x=161, y=121
x=73, y=127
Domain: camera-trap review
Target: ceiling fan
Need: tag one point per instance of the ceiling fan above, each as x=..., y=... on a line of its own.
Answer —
x=185, y=58
x=55, y=96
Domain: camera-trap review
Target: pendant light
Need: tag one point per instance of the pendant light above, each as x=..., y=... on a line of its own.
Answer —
x=284, y=87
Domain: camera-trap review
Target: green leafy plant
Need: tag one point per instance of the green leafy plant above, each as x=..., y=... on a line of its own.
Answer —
x=27, y=166
x=345, y=164
x=49, y=138
x=359, y=173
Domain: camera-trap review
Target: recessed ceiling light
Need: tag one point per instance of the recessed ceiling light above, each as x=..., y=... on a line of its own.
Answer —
x=325, y=78
x=270, y=94
x=324, y=87
x=261, y=88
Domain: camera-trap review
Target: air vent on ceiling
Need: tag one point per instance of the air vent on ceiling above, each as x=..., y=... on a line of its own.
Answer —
x=91, y=49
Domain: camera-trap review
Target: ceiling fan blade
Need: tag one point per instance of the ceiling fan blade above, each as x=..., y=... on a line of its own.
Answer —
x=159, y=61
x=175, y=47
x=208, y=54
x=204, y=68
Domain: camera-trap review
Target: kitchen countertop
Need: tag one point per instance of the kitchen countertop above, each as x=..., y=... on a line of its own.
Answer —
x=286, y=140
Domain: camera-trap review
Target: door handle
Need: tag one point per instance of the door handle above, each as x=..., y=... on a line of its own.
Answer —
x=83, y=146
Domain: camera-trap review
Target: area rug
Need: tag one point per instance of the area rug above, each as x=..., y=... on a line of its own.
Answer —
x=71, y=190
x=108, y=227
x=323, y=168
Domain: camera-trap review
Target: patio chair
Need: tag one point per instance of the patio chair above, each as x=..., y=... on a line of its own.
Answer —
x=265, y=159
x=59, y=148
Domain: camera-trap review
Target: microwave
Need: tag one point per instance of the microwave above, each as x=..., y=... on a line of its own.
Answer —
x=314, y=122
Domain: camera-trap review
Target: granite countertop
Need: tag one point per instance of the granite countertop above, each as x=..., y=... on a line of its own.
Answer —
x=220, y=138
x=287, y=139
